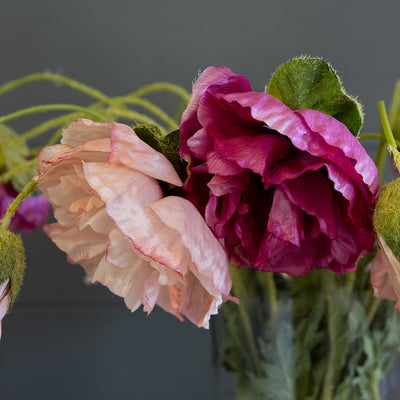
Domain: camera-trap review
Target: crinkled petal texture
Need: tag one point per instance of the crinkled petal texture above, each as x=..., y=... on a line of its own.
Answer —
x=113, y=219
x=284, y=190
x=4, y=299
x=385, y=274
x=31, y=214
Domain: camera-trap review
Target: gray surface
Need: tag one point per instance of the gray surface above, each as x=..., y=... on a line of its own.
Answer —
x=65, y=340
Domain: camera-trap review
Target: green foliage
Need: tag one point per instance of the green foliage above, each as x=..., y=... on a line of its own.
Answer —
x=12, y=156
x=12, y=260
x=311, y=83
x=166, y=144
x=326, y=339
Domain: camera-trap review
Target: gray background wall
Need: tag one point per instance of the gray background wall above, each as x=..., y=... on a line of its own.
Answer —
x=65, y=340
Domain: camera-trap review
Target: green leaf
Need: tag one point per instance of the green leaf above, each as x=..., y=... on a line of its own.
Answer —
x=12, y=156
x=311, y=83
x=166, y=144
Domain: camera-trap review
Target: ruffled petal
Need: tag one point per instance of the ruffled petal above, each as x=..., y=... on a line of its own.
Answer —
x=83, y=131
x=129, y=150
x=385, y=274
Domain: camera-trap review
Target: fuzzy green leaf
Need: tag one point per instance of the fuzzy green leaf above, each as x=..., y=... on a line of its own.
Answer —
x=311, y=83
x=12, y=260
x=166, y=144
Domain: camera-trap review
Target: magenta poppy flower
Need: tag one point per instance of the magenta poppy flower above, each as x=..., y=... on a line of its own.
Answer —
x=31, y=214
x=284, y=190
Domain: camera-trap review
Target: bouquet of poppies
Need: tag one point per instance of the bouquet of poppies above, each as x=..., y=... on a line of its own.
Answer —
x=265, y=201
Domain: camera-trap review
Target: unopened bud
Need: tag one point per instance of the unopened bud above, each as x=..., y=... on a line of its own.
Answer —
x=12, y=261
x=387, y=216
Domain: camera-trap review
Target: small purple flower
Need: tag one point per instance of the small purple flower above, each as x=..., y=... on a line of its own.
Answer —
x=31, y=214
x=284, y=190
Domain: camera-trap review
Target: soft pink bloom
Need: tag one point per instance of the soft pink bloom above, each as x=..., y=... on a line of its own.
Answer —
x=385, y=274
x=114, y=220
x=4, y=299
x=284, y=190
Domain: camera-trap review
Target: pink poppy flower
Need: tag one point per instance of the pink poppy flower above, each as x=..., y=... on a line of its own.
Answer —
x=4, y=299
x=284, y=190
x=113, y=219
x=385, y=274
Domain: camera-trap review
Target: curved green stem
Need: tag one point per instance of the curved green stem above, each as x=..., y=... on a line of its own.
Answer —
x=134, y=116
x=369, y=136
x=386, y=125
x=162, y=86
x=44, y=127
x=55, y=78
x=12, y=208
x=49, y=107
x=380, y=160
x=395, y=105
x=150, y=107
x=388, y=134
x=179, y=110
x=17, y=170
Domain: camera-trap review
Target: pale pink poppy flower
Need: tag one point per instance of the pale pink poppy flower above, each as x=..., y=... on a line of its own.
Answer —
x=4, y=299
x=113, y=219
x=385, y=274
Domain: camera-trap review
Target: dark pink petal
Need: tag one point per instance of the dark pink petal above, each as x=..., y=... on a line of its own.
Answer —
x=285, y=220
x=31, y=214
x=225, y=80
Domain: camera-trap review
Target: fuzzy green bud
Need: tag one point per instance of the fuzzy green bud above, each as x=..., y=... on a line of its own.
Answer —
x=387, y=215
x=12, y=261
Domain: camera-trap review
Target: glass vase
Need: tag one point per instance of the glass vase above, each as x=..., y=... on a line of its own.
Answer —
x=321, y=336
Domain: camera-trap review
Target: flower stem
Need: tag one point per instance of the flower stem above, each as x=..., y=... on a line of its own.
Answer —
x=18, y=169
x=272, y=295
x=49, y=107
x=55, y=78
x=388, y=134
x=386, y=125
x=380, y=160
x=43, y=128
x=12, y=208
x=369, y=136
x=239, y=290
x=162, y=86
x=150, y=107
x=134, y=116
x=327, y=390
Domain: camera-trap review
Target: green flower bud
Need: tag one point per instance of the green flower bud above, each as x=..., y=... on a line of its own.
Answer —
x=387, y=215
x=12, y=261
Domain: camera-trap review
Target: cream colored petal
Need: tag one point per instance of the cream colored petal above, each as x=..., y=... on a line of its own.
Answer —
x=85, y=130
x=82, y=246
x=151, y=291
x=125, y=282
x=209, y=261
x=99, y=221
x=120, y=251
x=385, y=273
x=129, y=150
x=127, y=195
x=86, y=204
x=199, y=304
